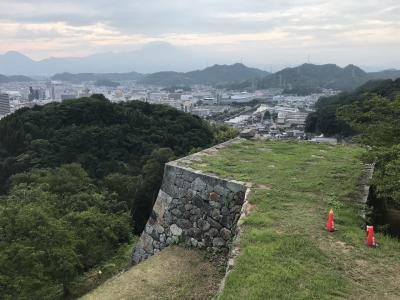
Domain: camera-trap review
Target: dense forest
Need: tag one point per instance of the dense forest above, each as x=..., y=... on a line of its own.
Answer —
x=77, y=180
x=325, y=120
x=370, y=115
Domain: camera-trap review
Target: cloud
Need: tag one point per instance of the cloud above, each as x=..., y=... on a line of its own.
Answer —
x=60, y=27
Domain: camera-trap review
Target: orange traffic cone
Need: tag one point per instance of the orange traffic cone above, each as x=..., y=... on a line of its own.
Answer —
x=371, y=237
x=330, y=225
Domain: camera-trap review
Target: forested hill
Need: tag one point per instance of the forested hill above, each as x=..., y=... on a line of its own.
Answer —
x=83, y=77
x=217, y=74
x=310, y=76
x=77, y=178
x=15, y=78
x=103, y=137
x=324, y=119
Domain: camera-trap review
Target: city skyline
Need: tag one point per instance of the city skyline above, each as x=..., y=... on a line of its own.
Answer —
x=261, y=34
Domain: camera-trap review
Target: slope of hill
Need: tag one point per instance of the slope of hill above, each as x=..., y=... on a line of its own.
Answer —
x=226, y=73
x=324, y=119
x=217, y=74
x=385, y=74
x=167, y=78
x=313, y=77
x=317, y=76
x=14, y=78
x=84, y=77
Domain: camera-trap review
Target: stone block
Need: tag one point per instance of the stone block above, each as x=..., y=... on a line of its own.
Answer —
x=226, y=234
x=198, y=184
x=175, y=230
x=218, y=242
x=213, y=196
x=184, y=223
x=235, y=187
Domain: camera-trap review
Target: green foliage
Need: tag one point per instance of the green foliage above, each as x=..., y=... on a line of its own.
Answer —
x=377, y=121
x=104, y=137
x=76, y=179
x=106, y=82
x=55, y=224
x=325, y=120
x=376, y=118
x=223, y=133
x=373, y=112
x=387, y=175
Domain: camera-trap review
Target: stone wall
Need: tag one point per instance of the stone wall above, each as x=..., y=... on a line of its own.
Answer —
x=194, y=208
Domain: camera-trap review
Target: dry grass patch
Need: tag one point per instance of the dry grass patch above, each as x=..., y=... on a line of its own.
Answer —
x=176, y=273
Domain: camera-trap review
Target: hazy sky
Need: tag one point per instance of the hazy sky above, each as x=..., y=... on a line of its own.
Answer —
x=261, y=32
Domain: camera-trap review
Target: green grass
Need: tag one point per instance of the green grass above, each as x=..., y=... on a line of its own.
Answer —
x=285, y=251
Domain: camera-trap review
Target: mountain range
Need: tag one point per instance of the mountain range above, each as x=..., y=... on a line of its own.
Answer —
x=153, y=57
x=84, y=77
x=217, y=74
x=14, y=78
x=323, y=76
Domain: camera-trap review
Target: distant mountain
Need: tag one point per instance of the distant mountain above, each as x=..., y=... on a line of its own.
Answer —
x=167, y=78
x=217, y=74
x=310, y=76
x=84, y=77
x=153, y=57
x=13, y=63
x=15, y=78
x=226, y=73
x=385, y=74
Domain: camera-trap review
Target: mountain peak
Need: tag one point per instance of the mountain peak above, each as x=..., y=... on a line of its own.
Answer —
x=158, y=45
x=16, y=55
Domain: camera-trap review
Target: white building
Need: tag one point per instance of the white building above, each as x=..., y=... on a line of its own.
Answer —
x=4, y=104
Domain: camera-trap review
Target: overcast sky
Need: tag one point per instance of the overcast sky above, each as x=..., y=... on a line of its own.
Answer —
x=259, y=32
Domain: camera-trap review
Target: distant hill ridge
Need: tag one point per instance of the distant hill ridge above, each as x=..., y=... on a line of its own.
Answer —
x=303, y=77
x=82, y=77
x=324, y=76
x=217, y=74
x=15, y=78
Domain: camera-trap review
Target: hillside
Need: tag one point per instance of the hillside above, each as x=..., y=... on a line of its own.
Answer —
x=317, y=76
x=84, y=77
x=217, y=74
x=314, y=77
x=14, y=78
x=325, y=120
x=77, y=179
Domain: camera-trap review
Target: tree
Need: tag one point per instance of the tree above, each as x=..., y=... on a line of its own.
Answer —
x=54, y=225
x=376, y=119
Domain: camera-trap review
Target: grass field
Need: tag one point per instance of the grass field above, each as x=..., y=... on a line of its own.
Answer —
x=285, y=251
x=176, y=273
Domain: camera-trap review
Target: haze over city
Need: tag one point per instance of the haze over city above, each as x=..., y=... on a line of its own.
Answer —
x=265, y=34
